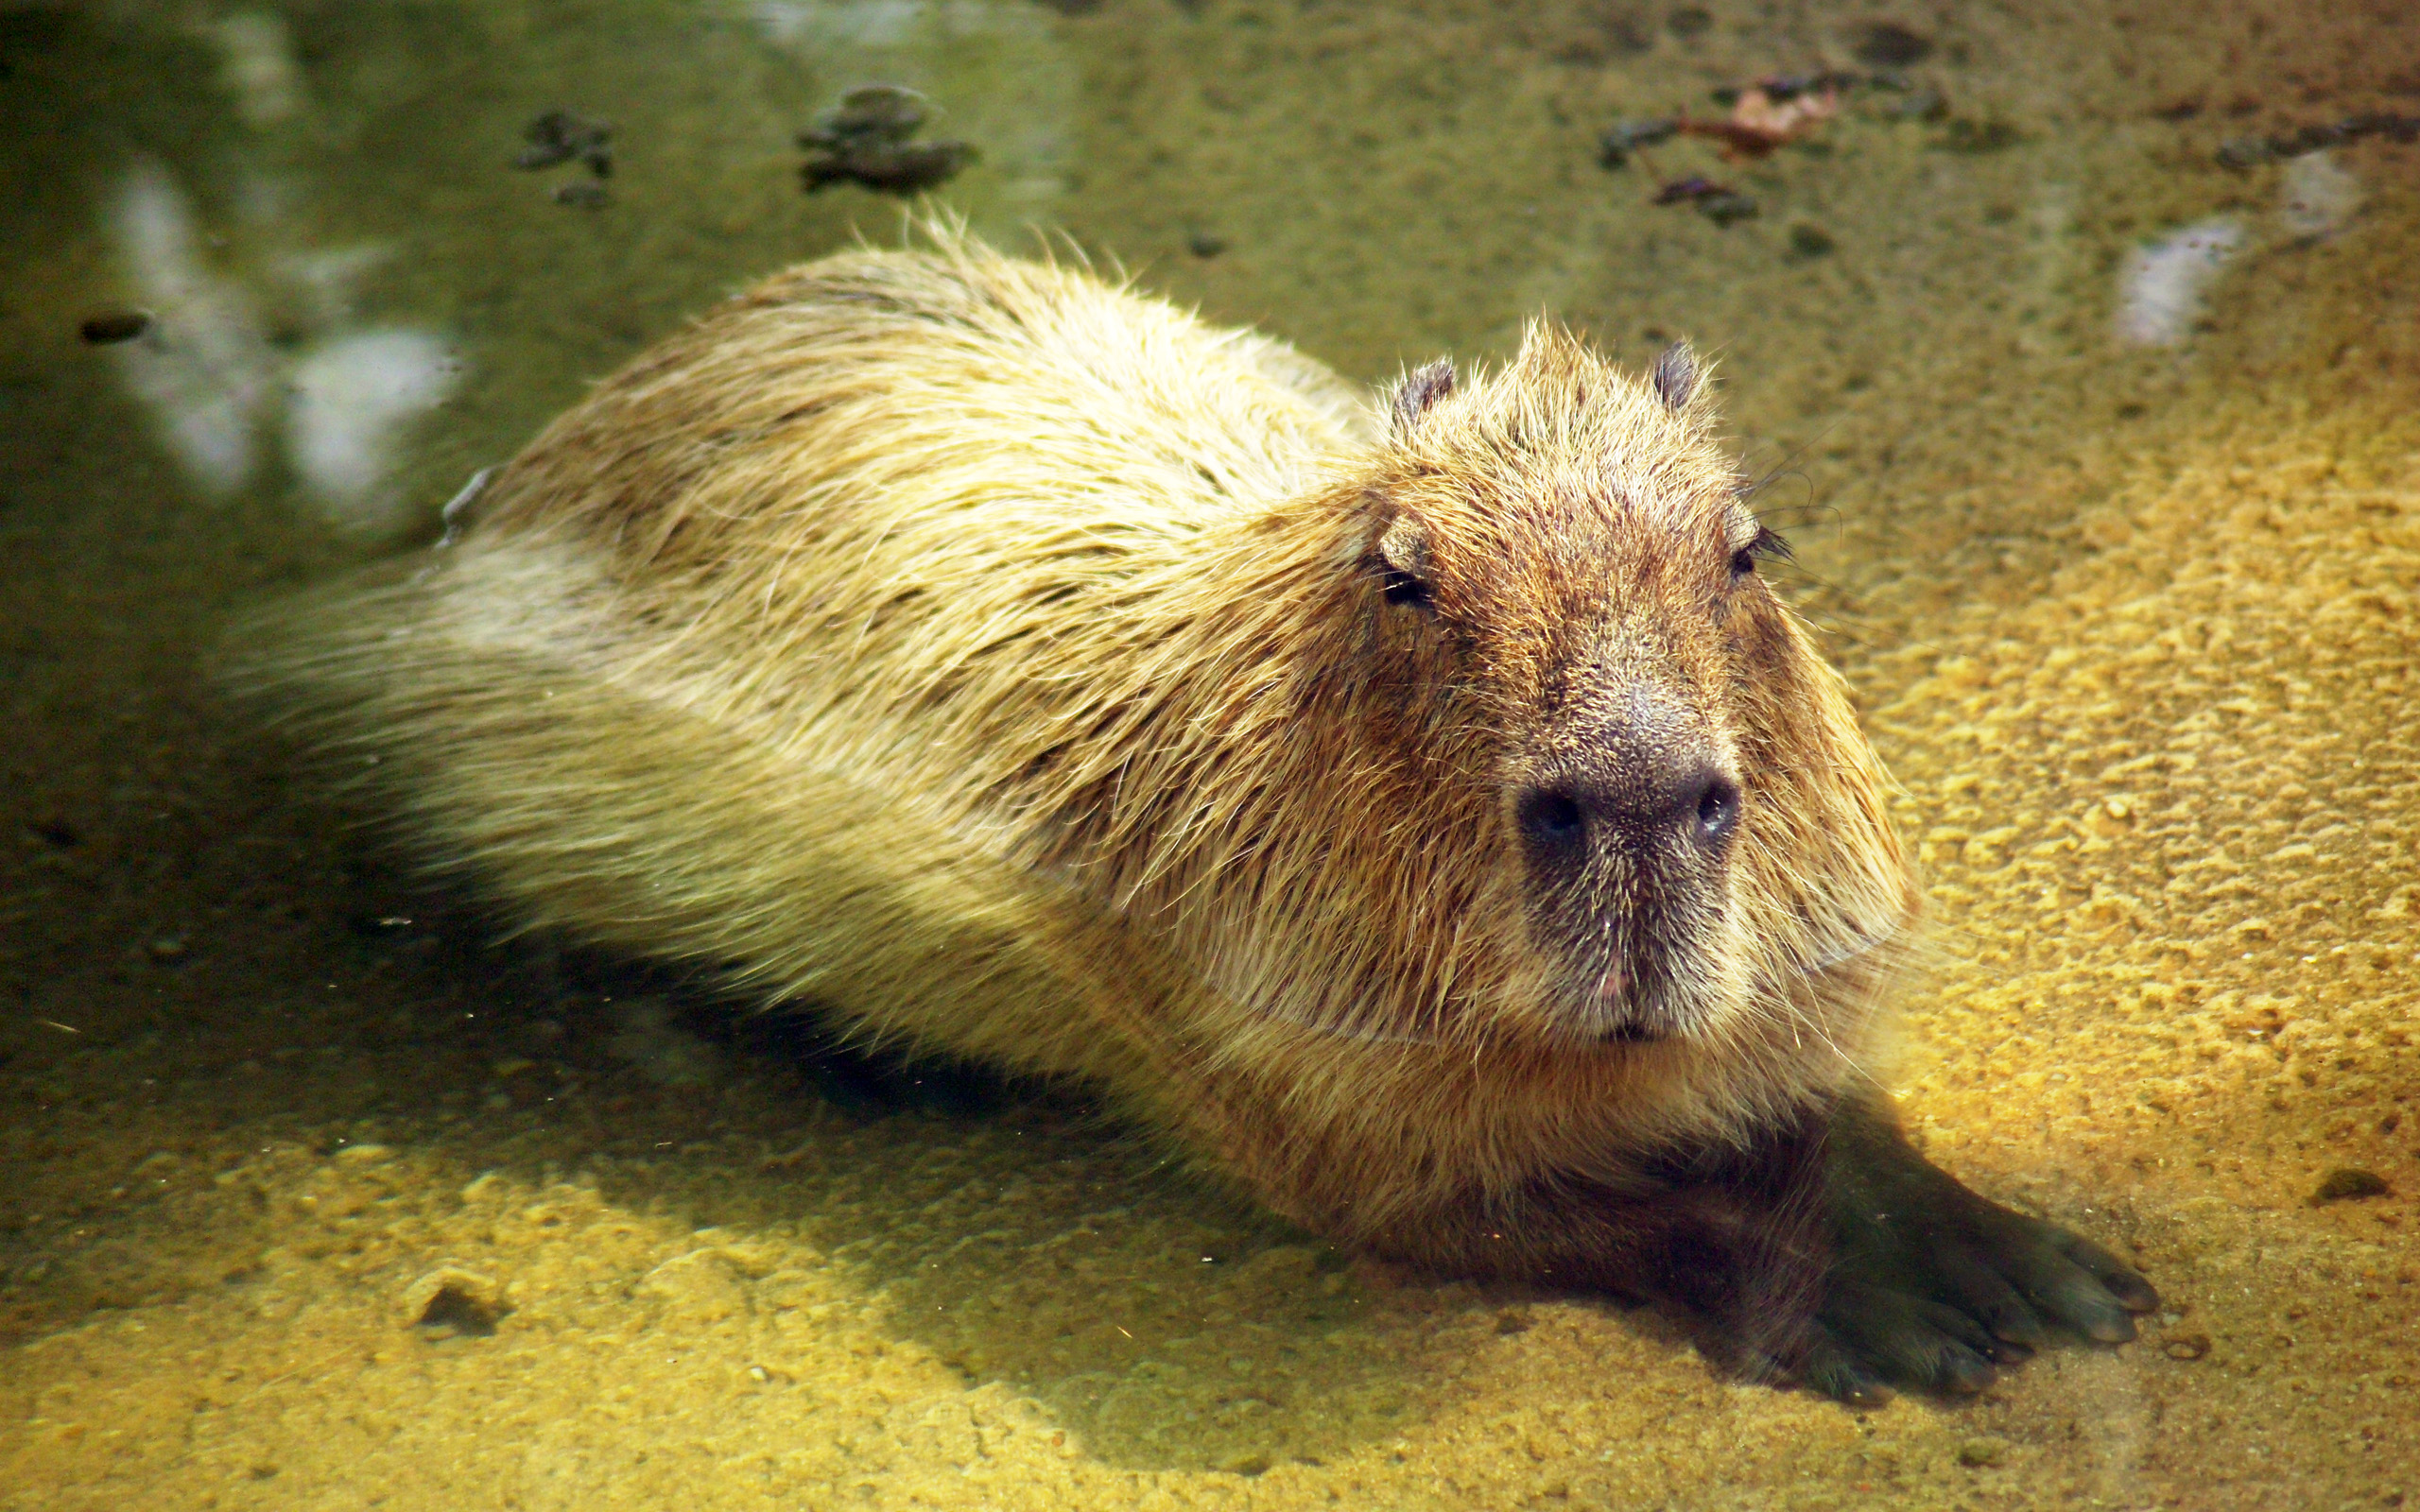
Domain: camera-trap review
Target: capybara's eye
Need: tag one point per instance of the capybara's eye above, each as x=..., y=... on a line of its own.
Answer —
x=1769, y=543
x=1401, y=587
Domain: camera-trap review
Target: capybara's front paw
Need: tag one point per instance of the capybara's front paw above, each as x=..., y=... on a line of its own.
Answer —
x=1934, y=1287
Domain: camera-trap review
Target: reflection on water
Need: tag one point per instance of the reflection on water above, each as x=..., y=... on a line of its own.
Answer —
x=210, y=368
x=2165, y=281
x=203, y=366
x=2080, y=352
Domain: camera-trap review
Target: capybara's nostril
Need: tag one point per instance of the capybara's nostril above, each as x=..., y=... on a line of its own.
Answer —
x=1700, y=810
x=1716, y=810
x=1552, y=819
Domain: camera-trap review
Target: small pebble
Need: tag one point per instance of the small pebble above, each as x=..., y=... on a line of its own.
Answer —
x=1727, y=209
x=1203, y=244
x=2185, y=1346
x=1975, y=138
x=1809, y=241
x=1687, y=191
x=111, y=327
x=559, y=136
x=2244, y=152
x=2252, y=151
x=1980, y=1452
x=167, y=948
x=884, y=111
x=1625, y=137
x=864, y=140
x=2345, y=1183
x=583, y=194
x=1919, y=105
x=1888, y=45
x=454, y=1303
x=1689, y=21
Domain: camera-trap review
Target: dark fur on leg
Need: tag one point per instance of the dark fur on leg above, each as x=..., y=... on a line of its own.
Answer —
x=1736, y=1238
x=1826, y=1251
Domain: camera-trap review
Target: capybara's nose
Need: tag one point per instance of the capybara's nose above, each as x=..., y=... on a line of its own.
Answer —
x=1695, y=808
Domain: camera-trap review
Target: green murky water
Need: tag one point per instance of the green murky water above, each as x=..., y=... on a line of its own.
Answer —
x=2098, y=454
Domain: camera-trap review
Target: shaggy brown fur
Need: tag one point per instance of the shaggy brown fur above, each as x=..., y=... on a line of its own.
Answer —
x=1436, y=823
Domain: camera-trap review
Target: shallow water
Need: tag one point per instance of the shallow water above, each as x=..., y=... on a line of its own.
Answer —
x=2102, y=463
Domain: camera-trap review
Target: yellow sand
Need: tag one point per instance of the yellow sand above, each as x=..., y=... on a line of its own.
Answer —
x=2135, y=630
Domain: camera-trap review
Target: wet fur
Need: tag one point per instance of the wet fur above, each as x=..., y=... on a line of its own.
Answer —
x=1002, y=663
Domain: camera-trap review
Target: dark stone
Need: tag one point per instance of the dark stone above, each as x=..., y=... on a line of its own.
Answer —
x=1727, y=209
x=2346, y=1183
x=56, y=832
x=1689, y=191
x=1975, y=138
x=1888, y=45
x=457, y=1311
x=111, y=327
x=1625, y=137
x=559, y=136
x=864, y=140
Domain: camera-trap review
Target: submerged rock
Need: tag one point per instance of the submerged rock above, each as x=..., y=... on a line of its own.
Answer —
x=2349, y=1184
x=865, y=139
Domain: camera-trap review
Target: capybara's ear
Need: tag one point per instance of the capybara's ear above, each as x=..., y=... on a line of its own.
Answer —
x=1421, y=389
x=1676, y=377
x=1403, y=561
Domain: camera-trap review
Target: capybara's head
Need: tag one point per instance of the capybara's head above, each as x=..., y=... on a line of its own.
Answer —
x=1682, y=826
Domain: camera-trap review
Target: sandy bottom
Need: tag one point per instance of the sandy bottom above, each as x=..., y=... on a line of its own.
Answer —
x=319, y=1196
